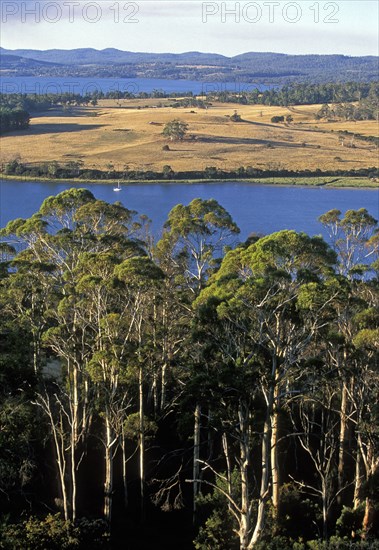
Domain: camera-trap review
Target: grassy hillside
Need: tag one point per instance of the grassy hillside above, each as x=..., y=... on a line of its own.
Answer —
x=130, y=133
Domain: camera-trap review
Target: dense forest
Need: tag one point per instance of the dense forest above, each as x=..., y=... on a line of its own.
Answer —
x=193, y=391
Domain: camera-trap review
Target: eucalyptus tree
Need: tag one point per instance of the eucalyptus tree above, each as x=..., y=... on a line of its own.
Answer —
x=30, y=277
x=175, y=130
x=107, y=313
x=315, y=422
x=255, y=294
x=96, y=229
x=19, y=427
x=66, y=405
x=66, y=228
x=197, y=235
x=30, y=285
x=193, y=242
x=364, y=396
x=172, y=322
x=335, y=350
x=140, y=277
x=355, y=238
x=116, y=306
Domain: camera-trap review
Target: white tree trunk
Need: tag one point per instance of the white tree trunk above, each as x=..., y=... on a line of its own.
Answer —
x=275, y=452
x=265, y=472
x=196, y=456
x=108, y=481
x=141, y=444
x=74, y=437
x=225, y=446
x=358, y=481
x=245, y=519
x=124, y=473
x=342, y=440
x=324, y=509
x=163, y=385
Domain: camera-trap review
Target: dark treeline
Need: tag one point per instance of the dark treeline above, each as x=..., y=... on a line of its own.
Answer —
x=304, y=94
x=294, y=94
x=74, y=169
x=193, y=392
x=43, y=102
x=365, y=109
x=13, y=119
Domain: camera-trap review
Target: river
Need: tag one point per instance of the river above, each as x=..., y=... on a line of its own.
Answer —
x=81, y=85
x=255, y=208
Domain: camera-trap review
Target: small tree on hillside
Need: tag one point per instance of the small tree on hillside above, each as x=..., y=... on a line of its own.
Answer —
x=236, y=117
x=175, y=130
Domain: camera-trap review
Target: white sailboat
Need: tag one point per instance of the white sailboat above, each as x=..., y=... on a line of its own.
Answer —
x=118, y=188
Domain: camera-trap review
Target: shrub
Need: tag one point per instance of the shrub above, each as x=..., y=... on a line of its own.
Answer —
x=54, y=533
x=276, y=119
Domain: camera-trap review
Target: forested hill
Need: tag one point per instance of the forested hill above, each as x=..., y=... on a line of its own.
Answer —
x=13, y=61
x=272, y=67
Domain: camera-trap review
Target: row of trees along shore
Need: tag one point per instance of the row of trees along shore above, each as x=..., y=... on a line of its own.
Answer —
x=75, y=169
x=190, y=388
x=293, y=94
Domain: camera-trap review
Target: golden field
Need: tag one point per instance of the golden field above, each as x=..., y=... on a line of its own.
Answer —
x=130, y=133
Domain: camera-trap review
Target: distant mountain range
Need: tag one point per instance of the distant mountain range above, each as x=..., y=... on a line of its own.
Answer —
x=258, y=67
x=9, y=61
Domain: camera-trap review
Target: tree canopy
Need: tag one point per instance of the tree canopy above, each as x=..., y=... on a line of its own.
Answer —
x=227, y=388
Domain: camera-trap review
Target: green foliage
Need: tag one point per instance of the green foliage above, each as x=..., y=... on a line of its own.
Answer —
x=309, y=94
x=139, y=271
x=236, y=117
x=53, y=533
x=12, y=120
x=35, y=534
x=17, y=431
x=132, y=427
x=217, y=533
x=189, y=322
x=175, y=130
x=63, y=206
x=295, y=505
x=336, y=543
x=350, y=521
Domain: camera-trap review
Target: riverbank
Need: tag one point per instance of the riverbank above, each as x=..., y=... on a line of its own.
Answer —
x=331, y=182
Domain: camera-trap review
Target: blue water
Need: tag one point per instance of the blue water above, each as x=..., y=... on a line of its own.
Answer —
x=82, y=86
x=255, y=208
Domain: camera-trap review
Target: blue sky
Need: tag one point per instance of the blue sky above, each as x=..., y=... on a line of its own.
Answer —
x=346, y=26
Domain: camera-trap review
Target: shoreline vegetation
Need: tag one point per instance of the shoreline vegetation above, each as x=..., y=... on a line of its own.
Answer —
x=312, y=181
